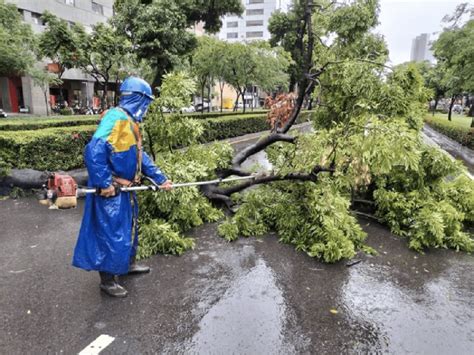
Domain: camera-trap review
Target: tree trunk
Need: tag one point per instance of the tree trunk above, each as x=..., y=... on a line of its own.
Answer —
x=202, y=97
x=435, y=105
x=104, y=102
x=46, y=102
x=221, y=87
x=209, y=97
x=236, y=102
x=453, y=99
x=243, y=97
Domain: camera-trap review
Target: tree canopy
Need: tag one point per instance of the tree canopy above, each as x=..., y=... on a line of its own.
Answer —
x=17, y=42
x=159, y=29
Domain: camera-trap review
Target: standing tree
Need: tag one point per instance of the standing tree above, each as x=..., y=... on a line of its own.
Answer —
x=454, y=51
x=59, y=43
x=102, y=54
x=254, y=64
x=44, y=79
x=17, y=42
x=202, y=64
x=159, y=29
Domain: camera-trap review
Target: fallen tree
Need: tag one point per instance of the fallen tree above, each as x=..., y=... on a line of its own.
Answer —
x=365, y=145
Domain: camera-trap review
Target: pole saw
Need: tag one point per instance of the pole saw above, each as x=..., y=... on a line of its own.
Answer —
x=62, y=191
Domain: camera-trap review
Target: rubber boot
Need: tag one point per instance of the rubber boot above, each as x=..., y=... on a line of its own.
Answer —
x=109, y=285
x=137, y=268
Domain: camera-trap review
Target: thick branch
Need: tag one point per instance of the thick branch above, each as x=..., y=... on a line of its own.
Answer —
x=313, y=176
x=304, y=86
x=260, y=145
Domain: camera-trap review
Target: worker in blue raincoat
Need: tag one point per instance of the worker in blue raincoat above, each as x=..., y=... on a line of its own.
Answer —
x=108, y=238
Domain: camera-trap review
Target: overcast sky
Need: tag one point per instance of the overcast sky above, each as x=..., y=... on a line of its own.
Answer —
x=403, y=20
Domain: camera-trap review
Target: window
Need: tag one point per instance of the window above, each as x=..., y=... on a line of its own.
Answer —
x=252, y=12
x=36, y=19
x=232, y=24
x=255, y=23
x=97, y=8
x=255, y=1
x=232, y=35
x=254, y=34
x=70, y=2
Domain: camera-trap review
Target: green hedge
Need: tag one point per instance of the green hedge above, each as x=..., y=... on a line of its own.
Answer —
x=206, y=115
x=46, y=149
x=61, y=148
x=238, y=125
x=459, y=134
x=25, y=124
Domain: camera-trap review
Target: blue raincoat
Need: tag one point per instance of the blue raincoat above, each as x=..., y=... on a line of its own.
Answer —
x=108, y=237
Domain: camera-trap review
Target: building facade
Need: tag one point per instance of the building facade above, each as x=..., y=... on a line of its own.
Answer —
x=253, y=24
x=420, y=49
x=78, y=88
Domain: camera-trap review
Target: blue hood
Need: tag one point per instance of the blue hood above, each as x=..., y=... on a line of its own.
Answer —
x=136, y=105
x=136, y=96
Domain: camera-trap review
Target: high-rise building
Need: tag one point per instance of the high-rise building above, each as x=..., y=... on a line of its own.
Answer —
x=17, y=92
x=253, y=23
x=420, y=49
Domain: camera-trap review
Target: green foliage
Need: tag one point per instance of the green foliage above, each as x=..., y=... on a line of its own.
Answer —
x=425, y=207
x=454, y=50
x=59, y=43
x=233, y=126
x=49, y=149
x=159, y=29
x=255, y=64
x=17, y=42
x=66, y=111
x=465, y=136
x=205, y=115
x=104, y=54
x=25, y=124
x=158, y=236
x=176, y=91
x=164, y=217
x=312, y=217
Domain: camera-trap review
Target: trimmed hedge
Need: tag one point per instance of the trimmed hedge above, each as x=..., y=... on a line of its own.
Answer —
x=46, y=149
x=216, y=114
x=234, y=126
x=459, y=134
x=25, y=124
x=61, y=148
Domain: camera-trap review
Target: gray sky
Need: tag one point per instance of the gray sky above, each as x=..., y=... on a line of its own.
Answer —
x=403, y=20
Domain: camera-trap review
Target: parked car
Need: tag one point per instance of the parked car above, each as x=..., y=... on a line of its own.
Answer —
x=458, y=109
x=188, y=109
x=3, y=113
x=200, y=106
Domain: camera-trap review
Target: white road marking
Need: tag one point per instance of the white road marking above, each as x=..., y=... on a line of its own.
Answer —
x=98, y=345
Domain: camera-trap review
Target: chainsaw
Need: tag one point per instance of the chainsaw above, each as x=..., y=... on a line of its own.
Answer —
x=61, y=191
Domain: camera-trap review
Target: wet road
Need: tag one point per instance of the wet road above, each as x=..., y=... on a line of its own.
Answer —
x=254, y=296
x=455, y=149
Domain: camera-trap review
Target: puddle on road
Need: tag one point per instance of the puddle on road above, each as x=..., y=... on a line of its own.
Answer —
x=249, y=318
x=432, y=319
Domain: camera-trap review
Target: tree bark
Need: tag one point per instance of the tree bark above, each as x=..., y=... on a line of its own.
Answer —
x=46, y=102
x=435, y=105
x=453, y=99
x=221, y=88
